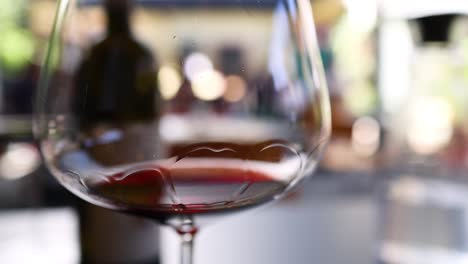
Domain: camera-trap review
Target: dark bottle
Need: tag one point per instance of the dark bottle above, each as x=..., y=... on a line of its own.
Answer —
x=117, y=80
x=115, y=86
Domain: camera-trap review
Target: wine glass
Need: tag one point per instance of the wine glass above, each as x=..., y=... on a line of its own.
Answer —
x=182, y=111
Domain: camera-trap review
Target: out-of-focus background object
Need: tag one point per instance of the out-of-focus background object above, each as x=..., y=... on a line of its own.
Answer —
x=423, y=80
x=399, y=86
x=351, y=59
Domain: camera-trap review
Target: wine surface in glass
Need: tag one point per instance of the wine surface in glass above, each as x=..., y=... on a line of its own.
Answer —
x=199, y=190
x=208, y=179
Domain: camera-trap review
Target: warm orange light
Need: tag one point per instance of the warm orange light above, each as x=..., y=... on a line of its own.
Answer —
x=236, y=88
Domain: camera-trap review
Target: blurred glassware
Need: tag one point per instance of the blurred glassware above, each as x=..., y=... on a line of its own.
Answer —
x=348, y=47
x=423, y=82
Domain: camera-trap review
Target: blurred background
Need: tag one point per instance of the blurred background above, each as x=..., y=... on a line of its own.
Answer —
x=392, y=187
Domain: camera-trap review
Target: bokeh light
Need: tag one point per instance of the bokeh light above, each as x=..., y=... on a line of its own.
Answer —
x=208, y=85
x=362, y=14
x=16, y=48
x=19, y=160
x=169, y=82
x=430, y=125
x=366, y=136
x=236, y=88
x=196, y=63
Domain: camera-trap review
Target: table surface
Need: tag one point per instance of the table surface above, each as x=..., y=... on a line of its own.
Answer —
x=309, y=227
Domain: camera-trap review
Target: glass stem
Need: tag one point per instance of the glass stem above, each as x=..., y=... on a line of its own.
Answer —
x=187, y=232
x=186, y=254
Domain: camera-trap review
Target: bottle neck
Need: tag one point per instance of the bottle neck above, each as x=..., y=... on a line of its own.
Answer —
x=118, y=23
x=435, y=30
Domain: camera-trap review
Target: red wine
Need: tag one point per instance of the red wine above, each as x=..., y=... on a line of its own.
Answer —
x=196, y=179
x=161, y=193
